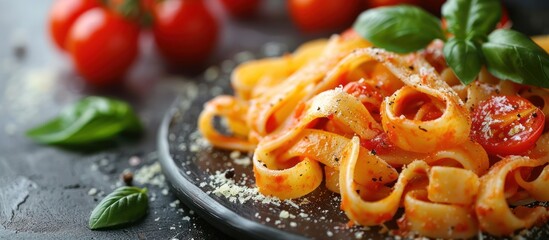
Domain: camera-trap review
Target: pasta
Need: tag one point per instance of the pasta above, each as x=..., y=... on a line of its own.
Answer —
x=385, y=131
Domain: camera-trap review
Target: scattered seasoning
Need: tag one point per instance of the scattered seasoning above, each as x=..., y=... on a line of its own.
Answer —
x=127, y=177
x=151, y=174
x=229, y=173
x=134, y=161
x=92, y=191
x=20, y=51
x=284, y=214
x=235, y=192
x=174, y=203
x=244, y=56
x=373, y=152
x=211, y=74
x=422, y=129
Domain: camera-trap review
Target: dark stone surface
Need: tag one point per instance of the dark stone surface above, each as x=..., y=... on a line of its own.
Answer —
x=44, y=190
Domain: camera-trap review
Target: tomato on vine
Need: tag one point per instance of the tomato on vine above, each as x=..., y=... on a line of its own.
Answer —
x=383, y=3
x=323, y=15
x=62, y=16
x=241, y=8
x=185, y=31
x=103, y=45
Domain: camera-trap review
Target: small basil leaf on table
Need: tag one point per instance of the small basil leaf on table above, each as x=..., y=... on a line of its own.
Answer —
x=471, y=19
x=400, y=29
x=464, y=58
x=124, y=205
x=512, y=55
x=90, y=120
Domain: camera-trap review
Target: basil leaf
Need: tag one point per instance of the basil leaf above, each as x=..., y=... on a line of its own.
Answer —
x=124, y=205
x=513, y=56
x=471, y=19
x=400, y=29
x=464, y=58
x=92, y=119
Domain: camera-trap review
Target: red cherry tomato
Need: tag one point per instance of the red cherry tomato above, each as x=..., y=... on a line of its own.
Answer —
x=379, y=144
x=185, y=31
x=63, y=14
x=103, y=46
x=381, y=3
x=507, y=125
x=505, y=21
x=241, y=8
x=323, y=15
x=432, y=6
x=370, y=97
x=434, y=55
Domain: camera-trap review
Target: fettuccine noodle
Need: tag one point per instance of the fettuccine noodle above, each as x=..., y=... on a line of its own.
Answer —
x=385, y=131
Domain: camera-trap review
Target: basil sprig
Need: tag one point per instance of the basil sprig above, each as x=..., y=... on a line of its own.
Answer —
x=91, y=120
x=465, y=57
x=390, y=27
x=124, y=205
x=508, y=54
x=471, y=19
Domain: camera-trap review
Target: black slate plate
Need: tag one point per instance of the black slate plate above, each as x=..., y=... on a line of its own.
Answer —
x=189, y=165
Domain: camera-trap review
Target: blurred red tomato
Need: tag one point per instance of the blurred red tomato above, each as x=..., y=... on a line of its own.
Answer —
x=381, y=3
x=185, y=31
x=505, y=21
x=433, y=6
x=323, y=15
x=103, y=45
x=63, y=14
x=241, y=8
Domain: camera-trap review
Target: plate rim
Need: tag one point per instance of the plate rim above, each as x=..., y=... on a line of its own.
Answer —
x=213, y=212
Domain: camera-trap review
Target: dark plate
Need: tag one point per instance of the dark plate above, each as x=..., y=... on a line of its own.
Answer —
x=190, y=167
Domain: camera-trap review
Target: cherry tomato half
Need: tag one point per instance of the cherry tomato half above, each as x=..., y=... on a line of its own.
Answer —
x=507, y=125
x=62, y=16
x=370, y=97
x=323, y=15
x=241, y=8
x=185, y=31
x=103, y=46
x=379, y=144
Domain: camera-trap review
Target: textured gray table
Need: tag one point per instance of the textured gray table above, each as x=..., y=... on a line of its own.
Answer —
x=47, y=192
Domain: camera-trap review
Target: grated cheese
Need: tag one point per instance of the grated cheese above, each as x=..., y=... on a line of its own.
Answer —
x=234, y=192
x=151, y=174
x=284, y=214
